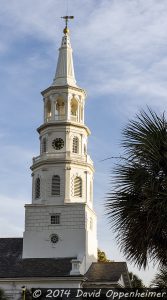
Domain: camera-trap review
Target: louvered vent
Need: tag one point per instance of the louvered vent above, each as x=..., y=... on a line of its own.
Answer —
x=37, y=188
x=56, y=185
x=75, y=145
x=78, y=187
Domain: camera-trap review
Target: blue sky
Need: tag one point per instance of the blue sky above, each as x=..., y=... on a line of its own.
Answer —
x=120, y=58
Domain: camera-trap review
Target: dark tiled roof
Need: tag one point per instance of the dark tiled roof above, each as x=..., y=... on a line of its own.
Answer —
x=13, y=266
x=108, y=272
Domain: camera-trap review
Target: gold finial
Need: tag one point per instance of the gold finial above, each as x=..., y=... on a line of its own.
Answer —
x=66, y=18
x=66, y=30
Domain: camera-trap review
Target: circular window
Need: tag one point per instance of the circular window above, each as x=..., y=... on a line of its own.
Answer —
x=58, y=143
x=54, y=238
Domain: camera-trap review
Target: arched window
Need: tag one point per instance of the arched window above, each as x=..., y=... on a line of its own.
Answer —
x=56, y=185
x=59, y=109
x=37, y=188
x=44, y=145
x=75, y=145
x=74, y=110
x=78, y=187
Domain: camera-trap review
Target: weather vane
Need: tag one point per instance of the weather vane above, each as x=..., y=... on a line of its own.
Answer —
x=67, y=18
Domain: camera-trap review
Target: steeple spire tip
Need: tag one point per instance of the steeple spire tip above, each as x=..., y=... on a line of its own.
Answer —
x=65, y=69
x=67, y=18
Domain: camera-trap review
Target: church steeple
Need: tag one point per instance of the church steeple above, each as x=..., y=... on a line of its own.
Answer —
x=60, y=221
x=65, y=68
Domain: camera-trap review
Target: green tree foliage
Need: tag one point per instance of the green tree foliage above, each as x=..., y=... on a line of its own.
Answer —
x=2, y=295
x=160, y=280
x=136, y=282
x=102, y=256
x=137, y=202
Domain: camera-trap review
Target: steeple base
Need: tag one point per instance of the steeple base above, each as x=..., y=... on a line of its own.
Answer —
x=74, y=236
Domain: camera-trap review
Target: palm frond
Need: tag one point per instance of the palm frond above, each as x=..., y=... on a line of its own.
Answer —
x=160, y=280
x=137, y=204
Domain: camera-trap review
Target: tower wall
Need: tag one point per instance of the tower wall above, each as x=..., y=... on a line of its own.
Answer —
x=38, y=231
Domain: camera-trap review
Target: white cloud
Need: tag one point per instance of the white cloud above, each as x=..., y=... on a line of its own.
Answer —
x=15, y=174
x=12, y=216
x=12, y=155
x=10, y=229
x=124, y=40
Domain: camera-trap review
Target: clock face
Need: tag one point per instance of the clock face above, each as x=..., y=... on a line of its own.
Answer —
x=58, y=143
x=54, y=238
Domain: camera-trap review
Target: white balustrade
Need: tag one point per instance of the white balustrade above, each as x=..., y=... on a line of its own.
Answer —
x=63, y=155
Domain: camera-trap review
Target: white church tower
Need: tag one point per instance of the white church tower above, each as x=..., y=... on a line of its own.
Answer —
x=61, y=221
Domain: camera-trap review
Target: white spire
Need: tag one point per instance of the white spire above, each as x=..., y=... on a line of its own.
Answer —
x=65, y=69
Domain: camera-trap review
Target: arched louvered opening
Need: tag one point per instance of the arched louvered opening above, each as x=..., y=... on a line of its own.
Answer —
x=44, y=145
x=37, y=188
x=56, y=185
x=74, y=110
x=78, y=187
x=75, y=145
x=59, y=109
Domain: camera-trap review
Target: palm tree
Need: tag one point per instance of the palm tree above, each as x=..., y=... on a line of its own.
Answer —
x=136, y=282
x=137, y=202
x=160, y=280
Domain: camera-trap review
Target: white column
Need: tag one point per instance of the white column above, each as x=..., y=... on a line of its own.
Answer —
x=86, y=186
x=82, y=148
x=44, y=111
x=83, y=113
x=68, y=107
x=52, y=108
